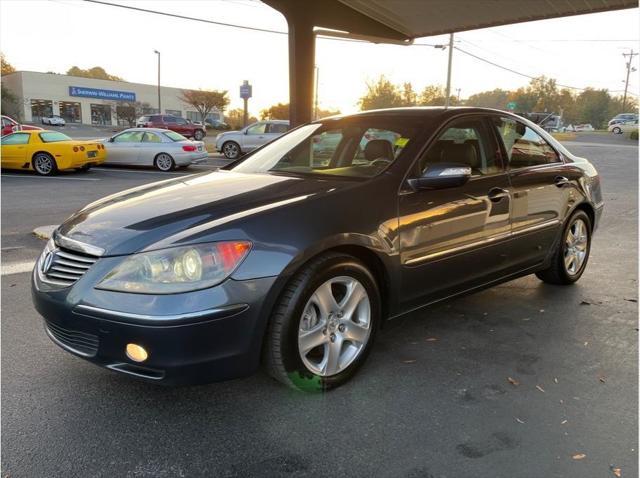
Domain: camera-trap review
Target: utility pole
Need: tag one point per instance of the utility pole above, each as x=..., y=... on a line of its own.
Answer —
x=629, y=70
x=458, y=90
x=446, y=102
x=159, y=102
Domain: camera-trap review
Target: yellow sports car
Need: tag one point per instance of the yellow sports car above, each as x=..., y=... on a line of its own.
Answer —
x=47, y=152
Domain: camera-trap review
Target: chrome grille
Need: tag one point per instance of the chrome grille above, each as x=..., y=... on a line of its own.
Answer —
x=82, y=343
x=66, y=266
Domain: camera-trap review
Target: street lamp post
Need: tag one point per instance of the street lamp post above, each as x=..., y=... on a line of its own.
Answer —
x=159, y=102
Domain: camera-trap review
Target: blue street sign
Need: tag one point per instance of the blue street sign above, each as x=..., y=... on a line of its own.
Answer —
x=245, y=91
x=511, y=105
x=102, y=94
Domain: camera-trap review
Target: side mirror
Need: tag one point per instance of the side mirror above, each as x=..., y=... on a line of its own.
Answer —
x=111, y=139
x=442, y=176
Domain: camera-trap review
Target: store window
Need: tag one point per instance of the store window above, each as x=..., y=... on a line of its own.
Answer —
x=147, y=110
x=71, y=112
x=41, y=109
x=100, y=114
x=173, y=112
x=194, y=116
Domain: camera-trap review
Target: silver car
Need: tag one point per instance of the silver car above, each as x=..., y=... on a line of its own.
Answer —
x=234, y=144
x=161, y=148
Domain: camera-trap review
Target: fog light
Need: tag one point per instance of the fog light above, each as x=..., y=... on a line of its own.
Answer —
x=136, y=353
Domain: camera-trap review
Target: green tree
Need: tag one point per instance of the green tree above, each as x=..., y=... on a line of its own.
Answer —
x=380, y=94
x=235, y=118
x=97, y=72
x=409, y=96
x=593, y=107
x=278, y=111
x=9, y=104
x=435, y=95
x=6, y=66
x=205, y=100
x=546, y=92
x=490, y=99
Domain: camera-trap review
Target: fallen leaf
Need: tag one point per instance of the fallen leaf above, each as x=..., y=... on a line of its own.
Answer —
x=513, y=381
x=518, y=420
x=585, y=302
x=431, y=339
x=631, y=300
x=526, y=319
x=617, y=472
x=541, y=310
x=602, y=379
x=409, y=361
x=586, y=343
x=563, y=422
x=555, y=379
x=578, y=456
x=540, y=388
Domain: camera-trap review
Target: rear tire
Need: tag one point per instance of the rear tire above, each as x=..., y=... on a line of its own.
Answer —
x=198, y=135
x=164, y=162
x=572, y=254
x=333, y=302
x=617, y=130
x=44, y=164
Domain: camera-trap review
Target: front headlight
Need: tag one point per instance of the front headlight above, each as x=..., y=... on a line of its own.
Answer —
x=178, y=269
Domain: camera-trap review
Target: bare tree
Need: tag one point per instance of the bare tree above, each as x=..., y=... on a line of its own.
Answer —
x=129, y=111
x=204, y=101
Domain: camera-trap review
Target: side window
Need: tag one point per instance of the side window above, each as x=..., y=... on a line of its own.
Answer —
x=259, y=128
x=324, y=146
x=179, y=120
x=168, y=119
x=16, y=138
x=151, y=138
x=278, y=128
x=466, y=141
x=523, y=145
x=129, y=137
x=378, y=144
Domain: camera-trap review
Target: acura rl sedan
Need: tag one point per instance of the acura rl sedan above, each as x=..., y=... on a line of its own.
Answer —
x=294, y=256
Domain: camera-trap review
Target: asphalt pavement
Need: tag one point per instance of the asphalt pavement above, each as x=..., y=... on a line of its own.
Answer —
x=520, y=380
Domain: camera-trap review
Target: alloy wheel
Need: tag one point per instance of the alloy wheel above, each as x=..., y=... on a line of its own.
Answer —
x=231, y=150
x=43, y=164
x=164, y=162
x=335, y=326
x=576, y=246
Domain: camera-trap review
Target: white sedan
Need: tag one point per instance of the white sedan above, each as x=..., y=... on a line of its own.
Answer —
x=625, y=127
x=54, y=120
x=161, y=148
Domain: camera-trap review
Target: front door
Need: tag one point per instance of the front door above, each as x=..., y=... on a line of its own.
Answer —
x=452, y=239
x=124, y=148
x=541, y=186
x=14, y=150
x=254, y=137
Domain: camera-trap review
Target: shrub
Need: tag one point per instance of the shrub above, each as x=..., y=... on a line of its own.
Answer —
x=634, y=134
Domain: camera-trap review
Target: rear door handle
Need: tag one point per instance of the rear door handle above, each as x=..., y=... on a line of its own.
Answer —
x=561, y=181
x=497, y=194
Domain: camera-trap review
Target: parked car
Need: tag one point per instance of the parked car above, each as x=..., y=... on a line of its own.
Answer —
x=54, y=120
x=47, y=152
x=624, y=127
x=583, y=127
x=9, y=125
x=623, y=118
x=161, y=148
x=217, y=124
x=199, y=278
x=234, y=144
x=174, y=123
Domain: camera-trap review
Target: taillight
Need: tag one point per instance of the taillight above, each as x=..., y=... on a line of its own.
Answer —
x=75, y=149
x=188, y=147
x=81, y=148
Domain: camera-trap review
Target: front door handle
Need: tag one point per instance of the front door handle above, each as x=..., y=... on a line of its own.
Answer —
x=561, y=181
x=497, y=194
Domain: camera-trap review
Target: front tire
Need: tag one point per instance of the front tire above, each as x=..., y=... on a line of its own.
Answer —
x=164, y=162
x=324, y=325
x=570, y=259
x=44, y=164
x=231, y=150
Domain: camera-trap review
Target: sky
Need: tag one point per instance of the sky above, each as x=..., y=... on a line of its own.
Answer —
x=53, y=35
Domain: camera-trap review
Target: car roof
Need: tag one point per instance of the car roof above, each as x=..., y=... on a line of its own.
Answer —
x=147, y=130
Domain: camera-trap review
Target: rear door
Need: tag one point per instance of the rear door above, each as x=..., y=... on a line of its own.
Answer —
x=453, y=239
x=275, y=130
x=540, y=189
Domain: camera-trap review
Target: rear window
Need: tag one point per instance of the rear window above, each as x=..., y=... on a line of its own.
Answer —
x=53, y=137
x=144, y=119
x=173, y=136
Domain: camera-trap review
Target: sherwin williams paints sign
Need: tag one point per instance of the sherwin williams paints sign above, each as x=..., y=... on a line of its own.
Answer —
x=101, y=94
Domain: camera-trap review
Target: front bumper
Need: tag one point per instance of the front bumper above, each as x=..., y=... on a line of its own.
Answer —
x=196, y=337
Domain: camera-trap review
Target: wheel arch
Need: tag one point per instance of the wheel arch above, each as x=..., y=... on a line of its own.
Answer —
x=588, y=209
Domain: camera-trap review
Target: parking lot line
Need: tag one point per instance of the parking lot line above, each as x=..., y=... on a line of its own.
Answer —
x=114, y=170
x=49, y=177
x=16, y=267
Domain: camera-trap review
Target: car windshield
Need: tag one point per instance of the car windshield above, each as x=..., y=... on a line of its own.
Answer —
x=350, y=147
x=173, y=136
x=53, y=137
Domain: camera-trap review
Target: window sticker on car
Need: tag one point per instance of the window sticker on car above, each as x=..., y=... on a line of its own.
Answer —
x=402, y=142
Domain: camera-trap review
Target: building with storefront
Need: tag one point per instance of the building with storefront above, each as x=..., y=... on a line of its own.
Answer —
x=92, y=101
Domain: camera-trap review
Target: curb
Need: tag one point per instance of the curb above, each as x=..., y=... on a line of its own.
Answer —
x=44, y=232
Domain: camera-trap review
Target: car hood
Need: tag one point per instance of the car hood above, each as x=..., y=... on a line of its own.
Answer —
x=149, y=216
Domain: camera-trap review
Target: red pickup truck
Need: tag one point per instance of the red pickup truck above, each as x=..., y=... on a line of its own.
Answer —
x=9, y=125
x=174, y=123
